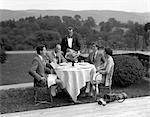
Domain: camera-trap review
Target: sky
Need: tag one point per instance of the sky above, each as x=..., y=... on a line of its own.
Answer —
x=117, y=5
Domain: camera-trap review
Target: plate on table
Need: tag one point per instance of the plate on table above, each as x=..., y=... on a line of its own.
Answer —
x=59, y=68
x=63, y=64
x=84, y=63
x=85, y=67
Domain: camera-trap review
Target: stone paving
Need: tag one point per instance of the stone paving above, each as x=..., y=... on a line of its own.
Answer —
x=133, y=107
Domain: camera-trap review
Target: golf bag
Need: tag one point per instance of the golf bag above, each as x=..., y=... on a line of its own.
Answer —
x=107, y=98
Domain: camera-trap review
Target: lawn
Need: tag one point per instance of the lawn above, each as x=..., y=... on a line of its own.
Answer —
x=16, y=68
x=17, y=100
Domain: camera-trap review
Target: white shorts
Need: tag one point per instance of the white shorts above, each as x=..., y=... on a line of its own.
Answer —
x=51, y=79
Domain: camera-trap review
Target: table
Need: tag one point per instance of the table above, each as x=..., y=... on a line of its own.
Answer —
x=75, y=77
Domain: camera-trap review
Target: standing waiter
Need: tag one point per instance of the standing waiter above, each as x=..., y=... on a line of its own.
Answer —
x=71, y=41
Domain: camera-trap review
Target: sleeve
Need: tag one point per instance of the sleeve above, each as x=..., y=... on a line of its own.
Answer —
x=106, y=68
x=63, y=45
x=104, y=62
x=49, y=56
x=33, y=69
x=78, y=43
x=103, y=58
x=63, y=58
x=89, y=58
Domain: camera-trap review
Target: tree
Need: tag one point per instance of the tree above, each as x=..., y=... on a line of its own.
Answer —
x=147, y=27
x=113, y=22
x=77, y=19
x=30, y=19
x=132, y=33
x=53, y=22
x=68, y=21
x=5, y=43
x=90, y=22
x=106, y=27
x=3, y=55
x=146, y=35
x=116, y=40
x=48, y=38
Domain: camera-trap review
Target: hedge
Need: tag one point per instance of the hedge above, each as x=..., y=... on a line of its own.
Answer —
x=127, y=70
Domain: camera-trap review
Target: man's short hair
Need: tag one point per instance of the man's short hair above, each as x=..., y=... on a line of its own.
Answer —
x=57, y=44
x=70, y=28
x=40, y=48
x=108, y=51
x=96, y=45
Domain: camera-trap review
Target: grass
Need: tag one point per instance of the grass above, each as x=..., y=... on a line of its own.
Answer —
x=15, y=70
x=17, y=100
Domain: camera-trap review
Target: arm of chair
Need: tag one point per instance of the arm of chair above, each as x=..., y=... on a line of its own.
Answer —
x=98, y=77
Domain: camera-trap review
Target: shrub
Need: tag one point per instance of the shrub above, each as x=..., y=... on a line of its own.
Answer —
x=3, y=56
x=127, y=70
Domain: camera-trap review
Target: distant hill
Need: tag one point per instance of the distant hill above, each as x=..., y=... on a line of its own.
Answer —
x=98, y=15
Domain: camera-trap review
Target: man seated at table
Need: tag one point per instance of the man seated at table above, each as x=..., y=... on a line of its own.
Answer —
x=54, y=57
x=97, y=59
x=40, y=72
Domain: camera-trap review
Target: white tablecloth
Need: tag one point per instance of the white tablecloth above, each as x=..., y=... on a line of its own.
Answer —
x=75, y=77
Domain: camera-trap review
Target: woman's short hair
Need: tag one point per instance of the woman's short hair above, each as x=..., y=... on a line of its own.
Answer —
x=108, y=51
x=94, y=44
x=40, y=48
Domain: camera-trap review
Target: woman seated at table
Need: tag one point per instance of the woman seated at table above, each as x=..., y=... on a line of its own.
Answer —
x=107, y=70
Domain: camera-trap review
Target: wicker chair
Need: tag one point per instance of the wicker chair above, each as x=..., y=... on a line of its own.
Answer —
x=39, y=86
x=107, y=83
x=36, y=91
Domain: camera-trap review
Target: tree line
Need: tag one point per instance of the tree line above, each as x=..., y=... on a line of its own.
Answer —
x=27, y=33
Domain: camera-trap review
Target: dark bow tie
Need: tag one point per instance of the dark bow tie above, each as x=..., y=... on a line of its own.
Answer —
x=69, y=36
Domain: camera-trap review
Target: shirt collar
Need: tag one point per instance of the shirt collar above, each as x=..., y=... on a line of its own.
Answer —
x=69, y=37
x=40, y=57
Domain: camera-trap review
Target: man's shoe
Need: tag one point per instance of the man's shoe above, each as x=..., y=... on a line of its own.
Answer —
x=101, y=102
x=77, y=102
